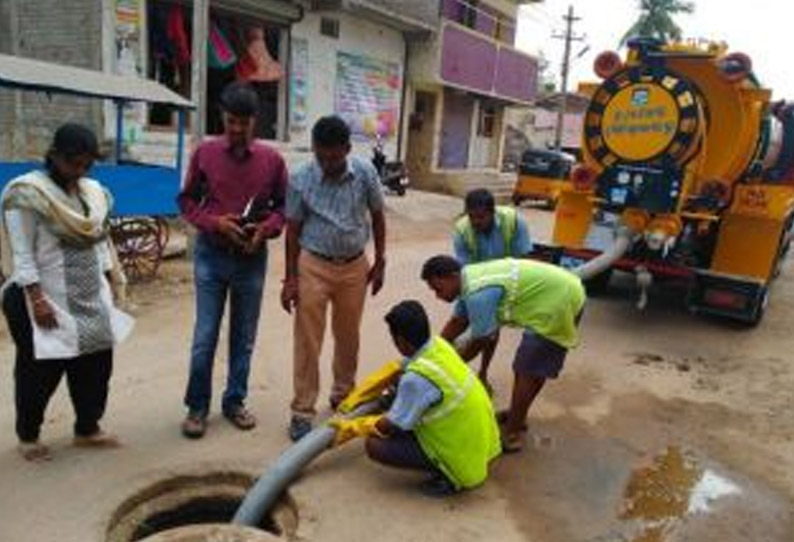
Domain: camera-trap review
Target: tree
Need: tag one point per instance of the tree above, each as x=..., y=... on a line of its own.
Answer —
x=656, y=20
x=546, y=80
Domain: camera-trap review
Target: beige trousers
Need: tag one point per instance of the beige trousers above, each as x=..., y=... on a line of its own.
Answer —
x=344, y=286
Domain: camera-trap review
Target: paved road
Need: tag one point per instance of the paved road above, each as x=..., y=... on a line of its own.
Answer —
x=663, y=426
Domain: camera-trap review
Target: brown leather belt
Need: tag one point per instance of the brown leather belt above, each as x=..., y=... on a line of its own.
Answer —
x=337, y=260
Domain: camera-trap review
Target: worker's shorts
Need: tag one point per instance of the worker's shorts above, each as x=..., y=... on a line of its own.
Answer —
x=538, y=356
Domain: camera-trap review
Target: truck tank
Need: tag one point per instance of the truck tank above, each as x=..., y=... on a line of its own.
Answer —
x=685, y=154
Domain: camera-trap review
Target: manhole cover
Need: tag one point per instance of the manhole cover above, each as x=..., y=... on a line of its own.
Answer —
x=212, y=533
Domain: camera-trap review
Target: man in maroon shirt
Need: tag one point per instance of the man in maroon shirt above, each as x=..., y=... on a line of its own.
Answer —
x=234, y=194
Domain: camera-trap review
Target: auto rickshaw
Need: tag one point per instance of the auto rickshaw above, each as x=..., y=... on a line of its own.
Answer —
x=542, y=175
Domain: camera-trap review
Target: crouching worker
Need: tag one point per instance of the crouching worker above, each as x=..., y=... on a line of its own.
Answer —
x=441, y=421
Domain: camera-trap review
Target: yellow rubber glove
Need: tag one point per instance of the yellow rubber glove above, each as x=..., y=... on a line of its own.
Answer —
x=372, y=386
x=365, y=426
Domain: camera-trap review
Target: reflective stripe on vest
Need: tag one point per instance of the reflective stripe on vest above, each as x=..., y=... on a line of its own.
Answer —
x=459, y=435
x=508, y=278
x=536, y=295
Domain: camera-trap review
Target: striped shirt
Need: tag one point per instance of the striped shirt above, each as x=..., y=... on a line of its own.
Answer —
x=333, y=214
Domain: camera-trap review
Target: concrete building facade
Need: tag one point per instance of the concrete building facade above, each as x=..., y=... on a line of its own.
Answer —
x=431, y=79
x=461, y=82
x=63, y=32
x=306, y=59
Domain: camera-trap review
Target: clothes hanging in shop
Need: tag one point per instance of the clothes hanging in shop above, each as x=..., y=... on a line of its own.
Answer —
x=177, y=35
x=220, y=54
x=160, y=45
x=256, y=64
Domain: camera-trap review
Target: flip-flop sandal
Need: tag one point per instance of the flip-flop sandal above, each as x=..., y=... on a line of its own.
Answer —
x=501, y=418
x=35, y=452
x=512, y=444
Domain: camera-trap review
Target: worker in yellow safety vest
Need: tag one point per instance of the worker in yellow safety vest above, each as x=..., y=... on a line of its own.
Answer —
x=544, y=300
x=489, y=232
x=441, y=420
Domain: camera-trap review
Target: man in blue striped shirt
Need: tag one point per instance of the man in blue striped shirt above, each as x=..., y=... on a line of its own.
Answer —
x=334, y=204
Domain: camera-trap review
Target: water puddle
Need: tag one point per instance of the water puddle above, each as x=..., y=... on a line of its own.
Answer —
x=658, y=497
x=626, y=483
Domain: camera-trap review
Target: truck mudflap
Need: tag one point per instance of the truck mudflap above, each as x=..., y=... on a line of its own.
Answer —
x=737, y=298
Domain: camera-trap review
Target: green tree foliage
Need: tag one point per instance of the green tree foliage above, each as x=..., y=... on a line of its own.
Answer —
x=656, y=20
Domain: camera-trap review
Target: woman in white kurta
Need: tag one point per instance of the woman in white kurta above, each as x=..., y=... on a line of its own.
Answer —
x=57, y=299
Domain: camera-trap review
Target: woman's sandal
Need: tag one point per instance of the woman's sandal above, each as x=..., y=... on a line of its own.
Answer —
x=34, y=452
x=100, y=439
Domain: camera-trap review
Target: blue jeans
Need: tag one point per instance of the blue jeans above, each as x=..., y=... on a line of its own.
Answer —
x=217, y=272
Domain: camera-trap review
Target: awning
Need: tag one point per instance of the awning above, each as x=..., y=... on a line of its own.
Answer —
x=402, y=19
x=29, y=74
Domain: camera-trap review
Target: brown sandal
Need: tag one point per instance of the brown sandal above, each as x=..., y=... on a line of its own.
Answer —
x=241, y=418
x=100, y=439
x=194, y=426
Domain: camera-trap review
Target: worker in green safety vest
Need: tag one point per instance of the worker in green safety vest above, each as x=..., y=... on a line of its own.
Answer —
x=441, y=420
x=544, y=300
x=489, y=232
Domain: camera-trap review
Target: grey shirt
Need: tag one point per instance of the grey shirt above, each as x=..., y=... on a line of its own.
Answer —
x=334, y=214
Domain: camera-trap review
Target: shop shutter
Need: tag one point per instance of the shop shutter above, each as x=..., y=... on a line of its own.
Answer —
x=279, y=12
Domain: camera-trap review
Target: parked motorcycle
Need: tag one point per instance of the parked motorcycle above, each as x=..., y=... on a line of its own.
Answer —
x=393, y=174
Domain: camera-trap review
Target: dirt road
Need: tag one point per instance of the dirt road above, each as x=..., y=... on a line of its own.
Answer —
x=664, y=427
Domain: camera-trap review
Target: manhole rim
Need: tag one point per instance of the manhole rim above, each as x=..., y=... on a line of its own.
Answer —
x=183, y=487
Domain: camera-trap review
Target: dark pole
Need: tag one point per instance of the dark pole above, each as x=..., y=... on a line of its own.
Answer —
x=201, y=14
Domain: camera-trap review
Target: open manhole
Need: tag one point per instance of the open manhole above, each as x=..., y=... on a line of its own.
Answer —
x=181, y=508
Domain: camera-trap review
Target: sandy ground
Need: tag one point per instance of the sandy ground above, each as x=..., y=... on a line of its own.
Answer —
x=656, y=414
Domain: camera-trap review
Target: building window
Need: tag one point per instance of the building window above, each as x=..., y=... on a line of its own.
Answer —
x=486, y=125
x=468, y=13
x=499, y=30
x=480, y=17
x=240, y=48
x=329, y=27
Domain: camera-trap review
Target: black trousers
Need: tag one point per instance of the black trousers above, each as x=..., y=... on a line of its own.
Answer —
x=401, y=450
x=35, y=380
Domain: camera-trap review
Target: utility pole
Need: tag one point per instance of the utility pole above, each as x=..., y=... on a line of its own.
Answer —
x=198, y=82
x=569, y=38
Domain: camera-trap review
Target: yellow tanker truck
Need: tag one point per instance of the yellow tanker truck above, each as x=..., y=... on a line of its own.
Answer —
x=687, y=173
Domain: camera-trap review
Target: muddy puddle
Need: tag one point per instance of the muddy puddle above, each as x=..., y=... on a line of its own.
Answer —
x=660, y=497
x=571, y=485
